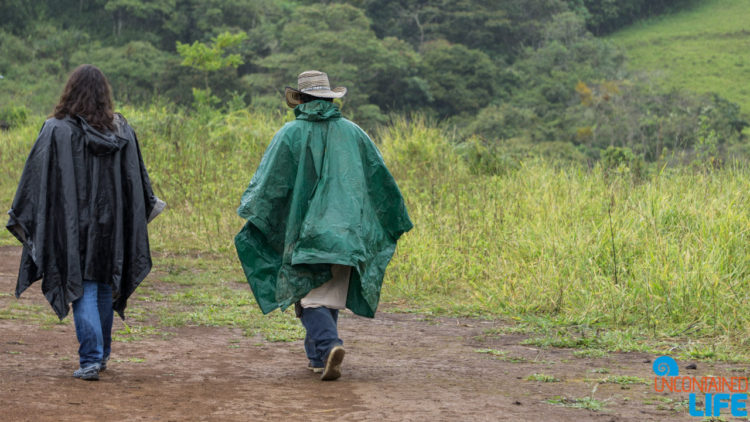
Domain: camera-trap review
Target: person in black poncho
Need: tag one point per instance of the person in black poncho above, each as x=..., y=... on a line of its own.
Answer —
x=81, y=210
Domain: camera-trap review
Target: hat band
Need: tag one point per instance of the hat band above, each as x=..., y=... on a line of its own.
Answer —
x=316, y=88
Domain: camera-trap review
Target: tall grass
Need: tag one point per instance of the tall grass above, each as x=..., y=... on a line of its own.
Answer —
x=539, y=240
x=200, y=165
x=669, y=255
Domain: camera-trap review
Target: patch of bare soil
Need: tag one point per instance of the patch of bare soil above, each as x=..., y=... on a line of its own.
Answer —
x=398, y=367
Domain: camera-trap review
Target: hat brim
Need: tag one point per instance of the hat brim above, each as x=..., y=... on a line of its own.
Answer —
x=292, y=95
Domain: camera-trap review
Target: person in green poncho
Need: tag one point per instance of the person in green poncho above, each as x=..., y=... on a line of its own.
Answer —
x=323, y=216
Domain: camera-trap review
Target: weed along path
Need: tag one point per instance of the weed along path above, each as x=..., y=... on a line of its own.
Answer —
x=398, y=367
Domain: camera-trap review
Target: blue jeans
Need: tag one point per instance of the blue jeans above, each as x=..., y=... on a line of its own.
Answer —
x=92, y=314
x=322, y=334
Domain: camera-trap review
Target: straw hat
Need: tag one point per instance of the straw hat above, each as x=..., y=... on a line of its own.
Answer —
x=313, y=83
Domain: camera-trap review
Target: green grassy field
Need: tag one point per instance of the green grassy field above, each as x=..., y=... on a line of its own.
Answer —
x=578, y=256
x=705, y=48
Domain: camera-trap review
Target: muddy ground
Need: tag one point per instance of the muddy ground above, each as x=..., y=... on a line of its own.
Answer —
x=398, y=367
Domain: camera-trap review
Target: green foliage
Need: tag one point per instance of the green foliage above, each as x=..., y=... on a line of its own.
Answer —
x=199, y=19
x=398, y=84
x=499, y=28
x=489, y=158
x=504, y=71
x=499, y=122
x=134, y=70
x=547, y=77
x=475, y=24
x=34, y=65
x=581, y=403
x=542, y=378
x=651, y=124
x=621, y=160
x=623, y=380
x=606, y=16
x=15, y=145
x=132, y=14
x=590, y=354
x=212, y=57
x=380, y=74
x=13, y=116
x=16, y=13
x=209, y=58
x=203, y=98
x=344, y=45
x=492, y=352
x=461, y=80
x=501, y=355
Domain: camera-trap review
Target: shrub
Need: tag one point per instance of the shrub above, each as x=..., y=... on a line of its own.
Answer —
x=621, y=160
x=13, y=116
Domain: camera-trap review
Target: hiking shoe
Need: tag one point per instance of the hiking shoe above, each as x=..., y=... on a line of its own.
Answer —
x=332, y=369
x=103, y=365
x=89, y=373
x=315, y=369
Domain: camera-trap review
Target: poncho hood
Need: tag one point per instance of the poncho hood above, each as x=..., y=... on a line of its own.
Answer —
x=321, y=195
x=316, y=111
x=97, y=142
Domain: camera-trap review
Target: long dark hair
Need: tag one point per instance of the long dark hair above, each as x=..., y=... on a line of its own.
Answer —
x=87, y=94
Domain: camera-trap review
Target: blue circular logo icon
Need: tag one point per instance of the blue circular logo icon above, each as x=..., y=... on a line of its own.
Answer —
x=665, y=366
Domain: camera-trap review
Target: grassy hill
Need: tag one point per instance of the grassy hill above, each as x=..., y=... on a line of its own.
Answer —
x=705, y=48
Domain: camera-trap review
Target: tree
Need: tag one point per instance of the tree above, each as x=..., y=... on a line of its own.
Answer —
x=337, y=39
x=201, y=19
x=134, y=70
x=142, y=13
x=461, y=80
x=606, y=16
x=209, y=58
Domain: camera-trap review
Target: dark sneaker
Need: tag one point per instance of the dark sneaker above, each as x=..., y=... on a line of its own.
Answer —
x=89, y=373
x=313, y=367
x=332, y=369
x=103, y=366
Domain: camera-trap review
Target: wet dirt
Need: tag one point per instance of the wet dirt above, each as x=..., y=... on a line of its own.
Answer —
x=398, y=367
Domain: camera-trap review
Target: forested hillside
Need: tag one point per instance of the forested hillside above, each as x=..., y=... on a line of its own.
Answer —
x=510, y=78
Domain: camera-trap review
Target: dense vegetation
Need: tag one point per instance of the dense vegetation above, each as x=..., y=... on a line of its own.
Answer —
x=512, y=78
x=645, y=259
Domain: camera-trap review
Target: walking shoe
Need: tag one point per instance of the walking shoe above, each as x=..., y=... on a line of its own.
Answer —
x=315, y=369
x=332, y=369
x=89, y=373
x=103, y=365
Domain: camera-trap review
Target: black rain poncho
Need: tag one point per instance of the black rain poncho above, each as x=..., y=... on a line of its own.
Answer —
x=321, y=195
x=81, y=210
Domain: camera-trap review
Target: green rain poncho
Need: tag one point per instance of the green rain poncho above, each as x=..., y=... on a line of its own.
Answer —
x=321, y=195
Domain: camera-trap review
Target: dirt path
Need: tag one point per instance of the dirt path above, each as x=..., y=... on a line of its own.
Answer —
x=398, y=367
